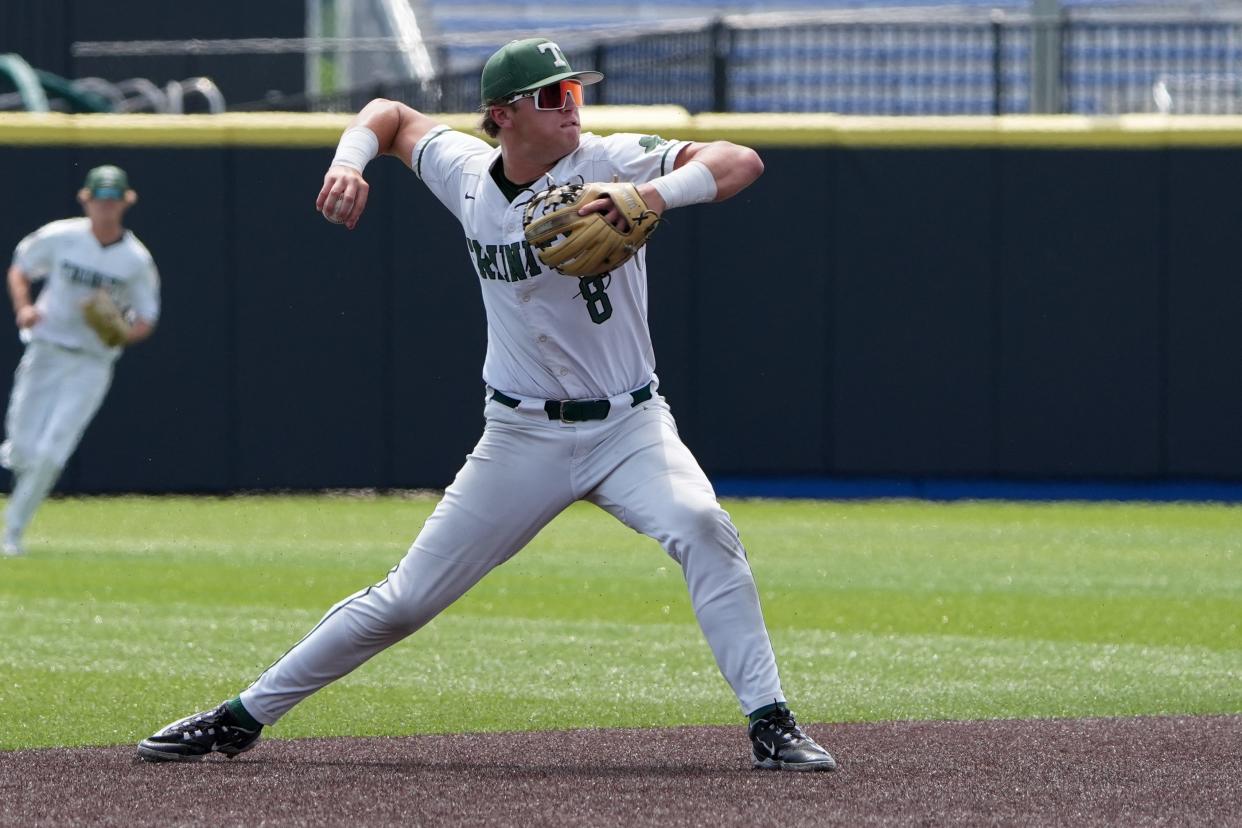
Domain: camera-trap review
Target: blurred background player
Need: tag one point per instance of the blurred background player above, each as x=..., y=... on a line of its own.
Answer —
x=66, y=369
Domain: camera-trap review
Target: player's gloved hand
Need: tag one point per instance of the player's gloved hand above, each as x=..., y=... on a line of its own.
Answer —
x=588, y=229
x=614, y=215
x=105, y=319
x=343, y=196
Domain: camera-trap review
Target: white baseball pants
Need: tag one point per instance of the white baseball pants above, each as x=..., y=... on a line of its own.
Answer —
x=56, y=393
x=524, y=471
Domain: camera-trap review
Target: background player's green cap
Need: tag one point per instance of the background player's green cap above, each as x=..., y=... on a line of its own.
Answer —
x=523, y=65
x=107, y=182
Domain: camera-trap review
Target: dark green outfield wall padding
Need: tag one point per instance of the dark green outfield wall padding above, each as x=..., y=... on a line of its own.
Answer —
x=968, y=310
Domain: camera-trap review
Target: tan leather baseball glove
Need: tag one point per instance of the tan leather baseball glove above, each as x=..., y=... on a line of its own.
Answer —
x=587, y=245
x=105, y=319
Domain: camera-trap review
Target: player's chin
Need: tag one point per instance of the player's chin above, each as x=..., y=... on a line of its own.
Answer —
x=571, y=136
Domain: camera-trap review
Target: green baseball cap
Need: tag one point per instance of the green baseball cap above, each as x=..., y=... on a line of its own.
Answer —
x=107, y=182
x=525, y=65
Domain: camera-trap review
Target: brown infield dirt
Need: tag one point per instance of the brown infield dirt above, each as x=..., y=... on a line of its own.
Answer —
x=1137, y=771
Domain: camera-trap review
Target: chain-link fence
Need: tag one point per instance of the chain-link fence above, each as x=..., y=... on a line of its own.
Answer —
x=1115, y=66
x=962, y=60
x=975, y=68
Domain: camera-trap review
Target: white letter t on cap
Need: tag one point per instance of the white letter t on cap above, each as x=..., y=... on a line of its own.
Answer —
x=557, y=55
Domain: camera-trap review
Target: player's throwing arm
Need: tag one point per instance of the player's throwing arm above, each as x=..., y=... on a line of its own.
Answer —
x=383, y=127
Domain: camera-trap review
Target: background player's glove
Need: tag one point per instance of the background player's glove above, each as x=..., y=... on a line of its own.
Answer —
x=104, y=318
x=586, y=245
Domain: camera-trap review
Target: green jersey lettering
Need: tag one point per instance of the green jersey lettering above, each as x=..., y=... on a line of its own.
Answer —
x=513, y=259
x=514, y=262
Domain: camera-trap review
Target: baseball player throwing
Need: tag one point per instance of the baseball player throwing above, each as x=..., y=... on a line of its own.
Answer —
x=92, y=267
x=572, y=406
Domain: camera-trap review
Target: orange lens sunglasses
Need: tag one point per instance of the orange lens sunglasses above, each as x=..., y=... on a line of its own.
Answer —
x=554, y=96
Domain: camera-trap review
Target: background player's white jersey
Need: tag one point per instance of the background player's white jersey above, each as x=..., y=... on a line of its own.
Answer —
x=75, y=265
x=549, y=336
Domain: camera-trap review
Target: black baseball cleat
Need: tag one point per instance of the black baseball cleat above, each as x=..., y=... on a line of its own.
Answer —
x=777, y=743
x=192, y=738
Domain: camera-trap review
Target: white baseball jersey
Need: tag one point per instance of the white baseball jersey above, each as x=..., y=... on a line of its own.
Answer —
x=75, y=265
x=549, y=336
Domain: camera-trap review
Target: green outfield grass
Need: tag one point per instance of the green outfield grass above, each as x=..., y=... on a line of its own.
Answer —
x=128, y=613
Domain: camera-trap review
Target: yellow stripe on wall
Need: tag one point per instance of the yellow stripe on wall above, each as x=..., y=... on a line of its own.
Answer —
x=756, y=130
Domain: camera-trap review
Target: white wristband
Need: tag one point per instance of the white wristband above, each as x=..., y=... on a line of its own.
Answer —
x=357, y=147
x=693, y=183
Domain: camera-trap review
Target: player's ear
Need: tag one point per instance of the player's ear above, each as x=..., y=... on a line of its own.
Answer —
x=131, y=198
x=84, y=195
x=502, y=114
